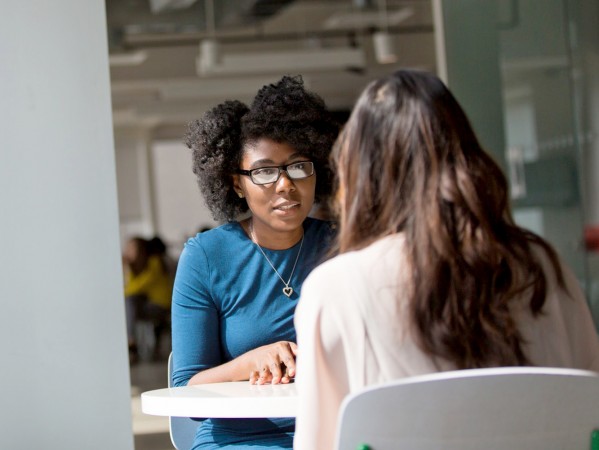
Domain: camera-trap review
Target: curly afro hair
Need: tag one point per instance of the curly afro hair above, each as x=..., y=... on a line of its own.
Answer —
x=283, y=112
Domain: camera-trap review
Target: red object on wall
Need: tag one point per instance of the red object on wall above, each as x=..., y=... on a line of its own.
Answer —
x=591, y=238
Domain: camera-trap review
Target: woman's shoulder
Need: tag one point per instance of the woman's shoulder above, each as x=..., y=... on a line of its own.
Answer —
x=223, y=232
x=381, y=259
x=380, y=252
x=217, y=239
x=358, y=287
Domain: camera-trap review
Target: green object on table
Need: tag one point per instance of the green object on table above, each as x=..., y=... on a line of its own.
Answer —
x=367, y=447
x=595, y=440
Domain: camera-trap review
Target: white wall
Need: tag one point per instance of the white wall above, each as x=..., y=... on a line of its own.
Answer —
x=135, y=193
x=180, y=208
x=64, y=382
x=158, y=192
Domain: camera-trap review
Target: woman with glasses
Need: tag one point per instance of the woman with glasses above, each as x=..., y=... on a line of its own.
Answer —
x=260, y=170
x=432, y=273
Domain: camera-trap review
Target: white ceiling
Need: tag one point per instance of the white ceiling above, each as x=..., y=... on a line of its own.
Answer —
x=158, y=86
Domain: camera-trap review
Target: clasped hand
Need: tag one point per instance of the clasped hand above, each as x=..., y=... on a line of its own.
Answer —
x=273, y=363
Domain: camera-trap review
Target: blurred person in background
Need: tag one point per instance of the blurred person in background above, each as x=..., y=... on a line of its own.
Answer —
x=148, y=288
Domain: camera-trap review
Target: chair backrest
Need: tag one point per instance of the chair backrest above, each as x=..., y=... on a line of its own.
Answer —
x=504, y=408
x=182, y=429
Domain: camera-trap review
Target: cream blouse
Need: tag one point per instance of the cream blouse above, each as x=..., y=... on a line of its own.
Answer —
x=353, y=331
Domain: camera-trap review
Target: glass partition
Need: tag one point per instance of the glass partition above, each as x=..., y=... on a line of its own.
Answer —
x=543, y=79
x=546, y=53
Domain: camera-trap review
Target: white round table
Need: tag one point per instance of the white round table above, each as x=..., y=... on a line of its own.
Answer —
x=222, y=400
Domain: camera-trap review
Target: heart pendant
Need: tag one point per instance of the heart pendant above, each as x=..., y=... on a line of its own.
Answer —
x=288, y=290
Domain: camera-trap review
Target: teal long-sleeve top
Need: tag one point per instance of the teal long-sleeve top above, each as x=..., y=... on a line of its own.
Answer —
x=227, y=300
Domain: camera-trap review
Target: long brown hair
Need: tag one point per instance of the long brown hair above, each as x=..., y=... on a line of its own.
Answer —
x=409, y=161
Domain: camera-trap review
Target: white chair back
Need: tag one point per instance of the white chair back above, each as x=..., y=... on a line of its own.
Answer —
x=492, y=409
x=182, y=429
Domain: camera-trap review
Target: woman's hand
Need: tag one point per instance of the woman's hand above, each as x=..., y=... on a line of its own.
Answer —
x=274, y=363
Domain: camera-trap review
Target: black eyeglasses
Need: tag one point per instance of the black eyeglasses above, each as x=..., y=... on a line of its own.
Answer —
x=267, y=175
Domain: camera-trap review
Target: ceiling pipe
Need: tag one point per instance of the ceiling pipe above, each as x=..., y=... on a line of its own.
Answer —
x=191, y=39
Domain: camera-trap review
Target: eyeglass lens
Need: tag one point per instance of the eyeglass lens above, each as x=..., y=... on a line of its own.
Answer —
x=295, y=171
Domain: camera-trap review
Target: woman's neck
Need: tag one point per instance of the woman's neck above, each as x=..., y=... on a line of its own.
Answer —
x=272, y=239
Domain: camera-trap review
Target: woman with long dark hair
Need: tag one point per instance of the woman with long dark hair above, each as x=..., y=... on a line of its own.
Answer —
x=433, y=274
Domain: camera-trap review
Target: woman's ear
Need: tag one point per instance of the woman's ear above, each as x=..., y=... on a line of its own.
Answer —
x=237, y=186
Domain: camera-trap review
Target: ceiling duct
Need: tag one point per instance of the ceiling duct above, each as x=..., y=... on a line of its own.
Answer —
x=246, y=12
x=136, y=23
x=287, y=61
x=211, y=61
x=127, y=59
x=360, y=20
x=158, y=6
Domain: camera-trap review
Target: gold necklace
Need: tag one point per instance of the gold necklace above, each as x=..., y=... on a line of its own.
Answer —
x=287, y=290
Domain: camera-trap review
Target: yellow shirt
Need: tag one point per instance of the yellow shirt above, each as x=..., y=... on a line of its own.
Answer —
x=153, y=282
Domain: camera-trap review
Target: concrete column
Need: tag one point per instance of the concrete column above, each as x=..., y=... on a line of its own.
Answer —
x=64, y=382
x=468, y=61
